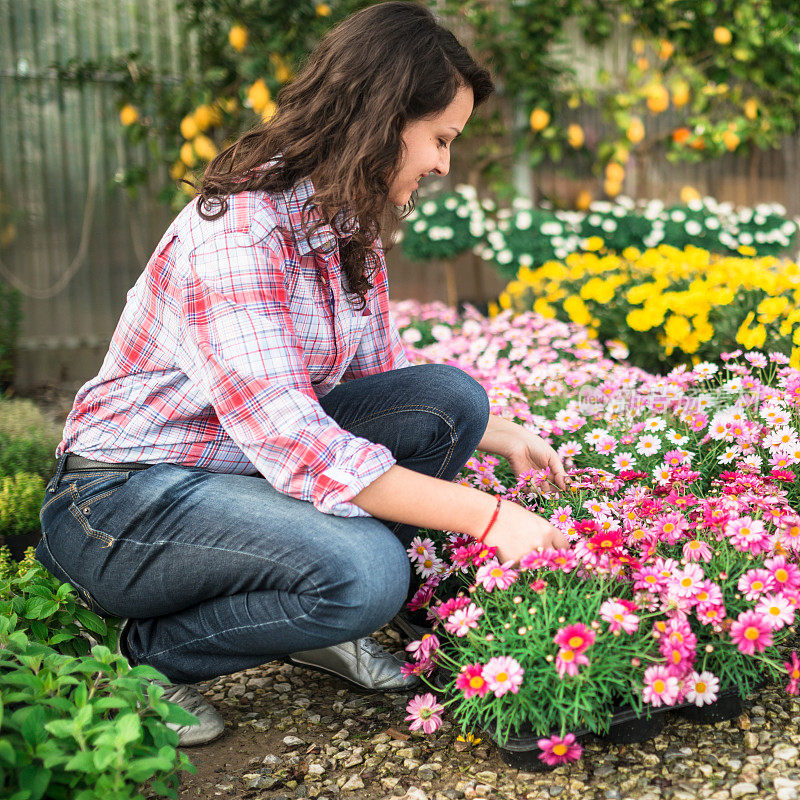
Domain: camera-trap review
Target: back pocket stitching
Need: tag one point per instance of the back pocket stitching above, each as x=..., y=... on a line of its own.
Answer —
x=99, y=535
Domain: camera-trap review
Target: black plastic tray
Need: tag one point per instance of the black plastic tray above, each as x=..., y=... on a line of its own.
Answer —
x=521, y=750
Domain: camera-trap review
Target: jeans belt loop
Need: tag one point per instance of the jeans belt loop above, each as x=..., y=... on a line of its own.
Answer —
x=59, y=468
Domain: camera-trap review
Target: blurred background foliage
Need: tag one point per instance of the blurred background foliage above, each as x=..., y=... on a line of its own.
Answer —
x=727, y=71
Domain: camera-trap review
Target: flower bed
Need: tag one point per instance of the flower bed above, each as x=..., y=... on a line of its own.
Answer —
x=681, y=581
x=688, y=303
x=524, y=235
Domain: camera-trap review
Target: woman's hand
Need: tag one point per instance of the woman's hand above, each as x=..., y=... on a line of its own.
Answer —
x=523, y=449
x=516, y=532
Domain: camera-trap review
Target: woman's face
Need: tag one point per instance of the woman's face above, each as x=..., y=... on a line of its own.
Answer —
x=426, y=145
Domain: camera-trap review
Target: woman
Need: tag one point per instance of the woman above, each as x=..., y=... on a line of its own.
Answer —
x=240, y=480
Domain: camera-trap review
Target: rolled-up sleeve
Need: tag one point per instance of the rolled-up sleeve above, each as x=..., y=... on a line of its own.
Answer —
x=380, y=348
x=238, y=344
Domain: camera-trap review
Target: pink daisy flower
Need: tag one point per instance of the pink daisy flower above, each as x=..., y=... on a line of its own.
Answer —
x=747, y=533
x=619, y=616
x=751, y=632
x=569, y=662
x=755, y=582
x=561, y=517
x=494, y=575
x=710, y=614
x=793, y=668
x=424, y=648
x=708, y=593
x=785, y=576
x=558, y=750
x=648, y=578
x=697, y=550
x=776, y=609
x=420, y=549
x=702, y=688
x=503, y=674
x=462, y=620
x=661, y=687
x=670, y=527
x=686, y=581
x=471, y=681
x=577, y=637
x=424, y=712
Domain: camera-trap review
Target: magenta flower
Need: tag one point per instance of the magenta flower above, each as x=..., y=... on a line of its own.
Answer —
x=777, y=610
x=424, y=648
x=569, y=662
x=619, y=616
x=494, y=575
x=503, y=674
x=424, y=712
x=688, y=580
x=558, y=750
x=697, y=550
x=793, y=668
x=577, y=637
x=751, y=632
x=786, y=576
x=462, y=620
x=471, y=681
x=754, y=583
x=671, y=527
x=748, y=534
x=661, y=687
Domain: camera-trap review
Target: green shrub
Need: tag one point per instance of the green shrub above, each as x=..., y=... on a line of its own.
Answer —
x=72, y=726
x=28, y=439
x=10, y=316
x=20, y=500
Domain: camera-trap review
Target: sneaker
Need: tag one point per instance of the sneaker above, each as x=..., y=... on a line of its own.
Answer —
x=362, y=663
x=210, y=726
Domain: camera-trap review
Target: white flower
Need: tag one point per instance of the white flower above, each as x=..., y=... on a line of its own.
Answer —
x=412, y=336
x=428, y=208
x=693, y=227
x=678, y=215
x=609, y=226
x=451, y=203
x=712, y=223
x=524, y=220
x=552, y=228
x=505, y=257
x=466, y=191
x=441, y=333
x=419, y=226
x=648, y=445
x=525, y=260
x=705, y=369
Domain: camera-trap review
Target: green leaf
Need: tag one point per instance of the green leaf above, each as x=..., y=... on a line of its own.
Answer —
x=35, y=780
x=91, y=621
x=82, y=761
x=129, y=728
x=7, y=752
x=145, y=768
x=103, y=757
x=62, y=728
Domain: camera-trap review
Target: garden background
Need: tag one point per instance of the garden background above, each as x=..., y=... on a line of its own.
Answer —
x=627, y=201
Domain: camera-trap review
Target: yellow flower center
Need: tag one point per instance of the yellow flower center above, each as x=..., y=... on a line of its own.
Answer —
x=575, y=641
x=496, y=572
x=781, y=575
x=751, y=633
x=567, y=655
x=659, y=686
x=700, y=687
x=560, y=749
x=501, y=677
x=476, y=681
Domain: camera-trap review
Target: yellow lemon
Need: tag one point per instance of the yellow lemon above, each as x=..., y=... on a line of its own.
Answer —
x=269, y=111
x=583, y=200
x=282, y=71
x=204, y=147
x=9, y=233
x=540, y=119
x=658, y=99
x=722, y=35
x=258, y=96
x=751, y=108
x=575, y=136
x=189, y=127
x=642, y=63
x=637, y=45
x=615, y=172
x=612, y=188
x=323, y=10
x=177, y=170
x=689, y=193
x=237, y=36
x=666, y=49
x=635, y=132
x=680, y=93
x=205, y=117
x=128, y=114
x=187, y=154
x=730, y=140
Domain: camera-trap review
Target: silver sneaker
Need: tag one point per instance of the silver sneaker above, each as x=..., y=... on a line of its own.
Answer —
x=362, y=663
x=210, y=726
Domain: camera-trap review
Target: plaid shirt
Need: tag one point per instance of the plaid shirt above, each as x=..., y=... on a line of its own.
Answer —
x=228, y=339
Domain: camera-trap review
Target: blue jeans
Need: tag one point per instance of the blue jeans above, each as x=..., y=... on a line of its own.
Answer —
x=220, y=573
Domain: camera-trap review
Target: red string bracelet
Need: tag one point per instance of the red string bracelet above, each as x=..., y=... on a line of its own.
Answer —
x=491, y=521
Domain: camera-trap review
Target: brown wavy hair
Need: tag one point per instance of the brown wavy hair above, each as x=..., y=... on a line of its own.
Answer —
x=340, y=123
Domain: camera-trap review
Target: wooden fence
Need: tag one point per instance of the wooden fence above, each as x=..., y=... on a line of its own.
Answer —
x=81, y=243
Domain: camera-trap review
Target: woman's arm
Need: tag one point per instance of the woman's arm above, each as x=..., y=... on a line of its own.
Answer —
x=402, y=495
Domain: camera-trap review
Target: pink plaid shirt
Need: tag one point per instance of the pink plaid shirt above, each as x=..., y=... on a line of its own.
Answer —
x=228, y=339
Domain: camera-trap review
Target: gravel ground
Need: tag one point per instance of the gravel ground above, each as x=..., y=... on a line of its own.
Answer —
x=291, y=733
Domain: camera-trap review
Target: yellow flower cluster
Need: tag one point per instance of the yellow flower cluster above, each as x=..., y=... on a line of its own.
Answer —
x=686, y=300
